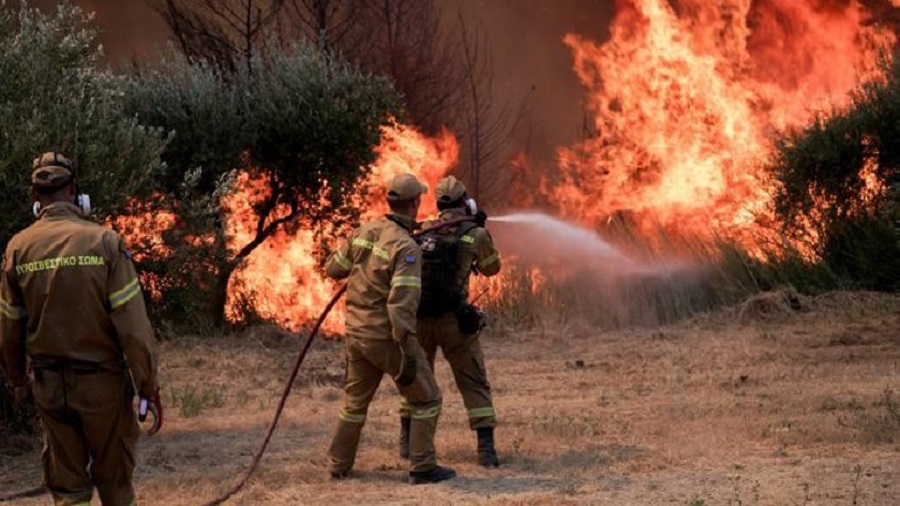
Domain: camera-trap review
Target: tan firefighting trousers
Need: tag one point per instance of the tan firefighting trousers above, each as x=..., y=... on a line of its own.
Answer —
x=368, y=360
x=463, y=353
x=90, y=433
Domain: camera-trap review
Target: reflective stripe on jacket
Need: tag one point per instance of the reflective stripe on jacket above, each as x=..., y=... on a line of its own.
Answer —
x=383, y=265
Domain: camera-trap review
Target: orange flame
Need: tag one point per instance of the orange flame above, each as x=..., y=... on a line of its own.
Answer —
x=686, y=102
x=280, y=276
x=142, y=228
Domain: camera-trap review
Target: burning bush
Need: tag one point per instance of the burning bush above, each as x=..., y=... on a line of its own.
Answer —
x=840, y=186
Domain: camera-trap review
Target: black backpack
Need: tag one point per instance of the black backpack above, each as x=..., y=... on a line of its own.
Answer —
x=440, y=252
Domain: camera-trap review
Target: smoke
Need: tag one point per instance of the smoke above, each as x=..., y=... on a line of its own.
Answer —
x=130, y=30
x=531, y=60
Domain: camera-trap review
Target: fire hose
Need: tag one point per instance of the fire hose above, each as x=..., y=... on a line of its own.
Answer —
x=284, y=396
x=22, y=494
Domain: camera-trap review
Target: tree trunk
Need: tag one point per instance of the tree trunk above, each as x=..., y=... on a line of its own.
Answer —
x=263, y=231
x=220, y=294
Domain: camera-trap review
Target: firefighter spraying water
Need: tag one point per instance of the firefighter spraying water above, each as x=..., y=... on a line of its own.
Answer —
x=407, y=366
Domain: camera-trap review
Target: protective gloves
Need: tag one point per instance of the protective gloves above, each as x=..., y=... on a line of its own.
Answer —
x=408, y=364
x=154, y=406
x=481, y=218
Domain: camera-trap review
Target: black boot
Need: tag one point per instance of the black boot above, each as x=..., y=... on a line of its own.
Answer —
x=404, y=437
x=487, y=455
x=437, y=474
x=339, y=475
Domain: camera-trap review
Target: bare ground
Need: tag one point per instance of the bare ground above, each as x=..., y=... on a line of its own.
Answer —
x=757, y=405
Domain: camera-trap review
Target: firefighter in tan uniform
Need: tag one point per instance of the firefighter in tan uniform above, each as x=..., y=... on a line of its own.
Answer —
x=447, y=321
x=70, y=301
x=383, y=266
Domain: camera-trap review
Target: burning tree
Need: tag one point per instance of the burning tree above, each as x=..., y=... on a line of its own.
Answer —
x=301, y=126
x=227, y=32
x=401, y=39
x=441, y=66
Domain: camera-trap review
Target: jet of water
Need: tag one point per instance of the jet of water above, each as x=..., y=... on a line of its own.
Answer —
x=562, y=235
x=539, y=238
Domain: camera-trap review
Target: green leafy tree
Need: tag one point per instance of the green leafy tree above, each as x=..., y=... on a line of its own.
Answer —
x=57, y=96
x=300, y=121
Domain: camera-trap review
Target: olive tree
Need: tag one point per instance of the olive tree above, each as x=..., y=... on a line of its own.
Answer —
x=300, y=121
x=56, y=95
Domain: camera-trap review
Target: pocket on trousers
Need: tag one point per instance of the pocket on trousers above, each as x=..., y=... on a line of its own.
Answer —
x=48, y=392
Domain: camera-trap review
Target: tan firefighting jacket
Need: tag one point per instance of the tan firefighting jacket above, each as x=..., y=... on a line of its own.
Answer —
x=476, y=250
x=384, y=266
x=69, y=295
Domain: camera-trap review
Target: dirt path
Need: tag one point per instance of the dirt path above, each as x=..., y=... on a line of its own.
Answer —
x=785, y=408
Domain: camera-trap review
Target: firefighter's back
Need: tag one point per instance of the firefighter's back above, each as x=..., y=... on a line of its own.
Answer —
x=62, y=266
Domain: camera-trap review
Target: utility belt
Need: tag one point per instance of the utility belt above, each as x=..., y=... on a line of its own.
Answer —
x=470, y=320
x=77, y=367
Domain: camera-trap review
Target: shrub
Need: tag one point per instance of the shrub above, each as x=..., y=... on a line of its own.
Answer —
x=56, y=96
x=840, y=184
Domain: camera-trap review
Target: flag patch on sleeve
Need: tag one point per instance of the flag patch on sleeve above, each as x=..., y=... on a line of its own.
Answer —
x=410, y=259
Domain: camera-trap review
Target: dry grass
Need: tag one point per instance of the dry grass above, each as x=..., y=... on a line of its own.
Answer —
x=731, y=408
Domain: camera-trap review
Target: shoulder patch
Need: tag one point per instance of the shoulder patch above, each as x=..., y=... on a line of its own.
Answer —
x=410, y=259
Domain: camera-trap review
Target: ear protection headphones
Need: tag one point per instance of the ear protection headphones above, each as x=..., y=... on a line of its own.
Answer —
x=471, y=206
x=82, y=200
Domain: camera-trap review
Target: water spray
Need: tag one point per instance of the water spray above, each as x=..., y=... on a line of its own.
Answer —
x=554, y=239
x=561, y=231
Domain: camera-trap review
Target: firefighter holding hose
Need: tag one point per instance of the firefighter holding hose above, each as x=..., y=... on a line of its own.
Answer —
x=446, y=319
x=383, y=267
x=70, y=301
